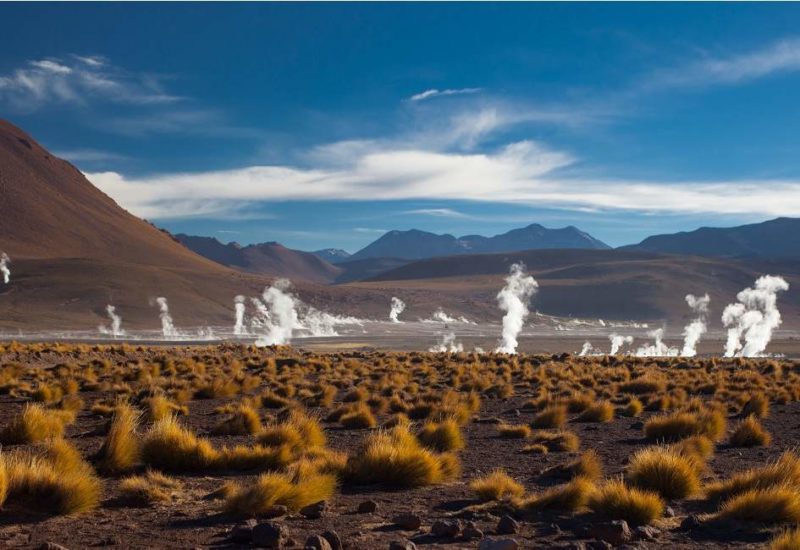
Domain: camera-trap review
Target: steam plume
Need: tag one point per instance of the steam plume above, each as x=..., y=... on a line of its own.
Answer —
x=116, y=323
x=658, y=348
x=397, y=308
x=282, y=319
x=239, y=328
x=513, y=299
x=4, y=261
x=618, y=341
x=586, y=349
x=167, y=328
x=753, y=317
x=694, y=330
x=447, y=344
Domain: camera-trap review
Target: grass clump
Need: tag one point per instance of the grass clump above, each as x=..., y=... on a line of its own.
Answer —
x=779, y=504
x=615, y=500
x=359, y=418
x=551, y=418
x=600, y=412
x=788, y=540
x=273, y=489
x=588, y=466
x=513, y=431
x=783, y=472
x=149, y=488
x=34, y=424
x=55, y=480
x=681, y=425
x=121, y=450
x=561, y=441
x=569, y=497
x=496, y=485
x=750, y=433
x=535, y=449
x=633, y=408
x=243, y=421
x=396, y=458
x=170, y=447
x=757, y=405
x=442, y=437
x=664, y=471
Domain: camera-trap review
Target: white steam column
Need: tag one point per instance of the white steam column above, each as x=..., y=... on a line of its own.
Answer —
x=513, y=299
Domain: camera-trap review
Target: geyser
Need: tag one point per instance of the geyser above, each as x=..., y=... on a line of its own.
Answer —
x=397, y=308
x=753, y=317
x=657, y=348
x=4, y=261
x=447, y=344
x=513, y=299
x=694, y=330
x=115, y=329
x=238, y=327
x=617, y=341
x=282, y=315
x=167, y=327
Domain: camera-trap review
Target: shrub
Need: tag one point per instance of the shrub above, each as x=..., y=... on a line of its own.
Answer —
x=615, y=500
x=750, y=433
x=273, y=489
x=513, y=431
x=561, y=441
x=633, y=408
x=643, y=385
x=149, y=488
x=496, y=485
x=681, y=425
x=159, y=407
x=121, y=450
x=442, y=437
x=34, y=424
x=697, y=447
x=784, y=471
x=552, y=417
x=396, y=458
x=56, y=481
x=570, y=497
x=535, y=449
x=663, y=471
x=600, y=412
x=779, y=504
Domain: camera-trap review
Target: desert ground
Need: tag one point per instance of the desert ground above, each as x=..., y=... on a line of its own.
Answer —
x=227, y=445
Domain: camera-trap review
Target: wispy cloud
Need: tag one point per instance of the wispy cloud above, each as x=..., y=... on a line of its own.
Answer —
x=77, y=80
x=370, y=230
x=437, y=212
x=433, y=92
x=522, y=172
x=89, y=155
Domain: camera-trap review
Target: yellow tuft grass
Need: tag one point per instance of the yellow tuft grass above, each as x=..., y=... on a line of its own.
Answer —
x=560, y=441
x=757, y=405
x=569, y=497
x=599, y=412
x=513, y=431
x=750, y=433
x=784, y=471
x=442, y=437
x=360, y=417
x=396, y=458
x=681, y=425
x=121, y=450
x=614, y=500
x=496, y=485
x=149, y=488
x=273, y=489
x=169, y=446
x=34, y=424
x=551, y=418
x=243, y=421
x=664, y=471
x=588, y=465
x=779, y=504
x=788, y=540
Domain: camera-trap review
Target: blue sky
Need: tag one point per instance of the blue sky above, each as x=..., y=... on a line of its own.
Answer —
x=323, y=125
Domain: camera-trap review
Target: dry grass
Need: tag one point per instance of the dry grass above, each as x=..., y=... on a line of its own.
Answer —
x=551, y=418
x=750, y=433
x=633, y=408
x=396, y=458
x=121, y=450
x=588, y=466
x=496, y=485
x=664, y=471
x=34, y=424
x=55, y=480
x=614, y=500
x=600, y=412
x=243, y=421
x=442, y=437
x=788, y=540
x=513, y=431
x=757, y=405
x=360, y=417
x=570, y=497
x=170, y=447
x=681, y=425
x=783, y=472
x=149, y=488
x=561, y=441
x=779, y=504
x=272, y=489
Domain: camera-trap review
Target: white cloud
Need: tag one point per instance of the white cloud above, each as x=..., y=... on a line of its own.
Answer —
x=88, y=155
x=522, y=173
x=433, y=92
x=437, y=212
x=76, y=80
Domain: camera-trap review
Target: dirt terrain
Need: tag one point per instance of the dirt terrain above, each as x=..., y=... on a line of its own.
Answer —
x=511, y=391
